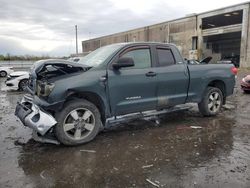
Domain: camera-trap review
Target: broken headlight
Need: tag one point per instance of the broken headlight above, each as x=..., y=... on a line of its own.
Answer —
x=44, y=89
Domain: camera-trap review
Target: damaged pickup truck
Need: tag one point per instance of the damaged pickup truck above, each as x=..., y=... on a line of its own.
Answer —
x=74, y=101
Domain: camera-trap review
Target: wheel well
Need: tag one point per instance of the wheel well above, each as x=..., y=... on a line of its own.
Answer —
x=22, y=80
x=221, y=85
x=91, y=97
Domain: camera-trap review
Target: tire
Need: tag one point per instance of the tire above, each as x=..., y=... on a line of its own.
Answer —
x=72, y=127
x=212, y=102
x=23, y=84
x=3, y=73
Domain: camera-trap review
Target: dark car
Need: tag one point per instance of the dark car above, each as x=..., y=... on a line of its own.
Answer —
x=231, y=59
x=245, y=84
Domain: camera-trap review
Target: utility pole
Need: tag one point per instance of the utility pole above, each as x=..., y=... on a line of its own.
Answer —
x=76, y=41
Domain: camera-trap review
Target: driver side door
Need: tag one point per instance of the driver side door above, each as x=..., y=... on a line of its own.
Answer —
x=133, y=89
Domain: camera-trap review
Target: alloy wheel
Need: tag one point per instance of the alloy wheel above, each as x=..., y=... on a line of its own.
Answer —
x=79, y=123
x=214, y=102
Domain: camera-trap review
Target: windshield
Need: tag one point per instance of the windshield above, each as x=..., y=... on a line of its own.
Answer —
x=98, y=56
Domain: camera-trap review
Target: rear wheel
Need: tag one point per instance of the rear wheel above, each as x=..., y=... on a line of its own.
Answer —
x=23, y=84
x=3, y=73
x=211, y=102
x=79, y=122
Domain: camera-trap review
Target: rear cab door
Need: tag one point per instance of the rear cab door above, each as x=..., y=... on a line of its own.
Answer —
x=133, y=89
x=172, y=76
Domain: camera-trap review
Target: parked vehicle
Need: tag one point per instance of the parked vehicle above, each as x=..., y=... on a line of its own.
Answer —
x=4, y=71
x=245, y=84
x=75, y=59
x=234, y=59
x=17, y=80
x=75, y=101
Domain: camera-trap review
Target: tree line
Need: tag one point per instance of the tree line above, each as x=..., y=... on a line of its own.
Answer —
x=9, y=57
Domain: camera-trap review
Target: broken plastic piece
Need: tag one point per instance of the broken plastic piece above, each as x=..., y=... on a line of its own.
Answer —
x=152, y=183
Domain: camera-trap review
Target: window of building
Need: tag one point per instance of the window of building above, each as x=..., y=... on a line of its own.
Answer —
x=194, y=43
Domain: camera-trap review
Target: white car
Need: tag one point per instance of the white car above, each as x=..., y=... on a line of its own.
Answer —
x=4, y=71
x=75, y=59
x=17, y=80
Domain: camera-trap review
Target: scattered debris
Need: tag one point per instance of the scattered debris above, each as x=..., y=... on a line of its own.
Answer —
x=228, y=107
x=89, y=151
x=195, y=127
x=157, y=122
x=157, y=182
x=152, y=183
x=19, y=143
x=147, y=166
x=41, y=175
x=182, y=127
x=115, y=168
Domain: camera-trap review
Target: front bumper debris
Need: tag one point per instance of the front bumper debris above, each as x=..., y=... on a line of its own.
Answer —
x=34, y=117
x=48, y=139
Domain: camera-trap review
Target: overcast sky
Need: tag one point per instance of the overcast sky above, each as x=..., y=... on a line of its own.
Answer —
x=46, y=27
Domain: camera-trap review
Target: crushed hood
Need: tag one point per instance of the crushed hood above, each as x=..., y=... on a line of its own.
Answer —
x=38, y=66
x=50, y=70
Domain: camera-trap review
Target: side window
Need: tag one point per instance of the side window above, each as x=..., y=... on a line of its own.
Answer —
x=141, y=57
x=165, y=57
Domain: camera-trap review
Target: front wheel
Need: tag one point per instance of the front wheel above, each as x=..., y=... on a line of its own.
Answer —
x=79, y=122
x=212, y=102
x=3, y=73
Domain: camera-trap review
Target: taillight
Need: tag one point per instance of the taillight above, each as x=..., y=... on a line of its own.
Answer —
x=234, y=70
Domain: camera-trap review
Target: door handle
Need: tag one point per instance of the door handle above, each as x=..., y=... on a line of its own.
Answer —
x=150, y=74
x=103, y=78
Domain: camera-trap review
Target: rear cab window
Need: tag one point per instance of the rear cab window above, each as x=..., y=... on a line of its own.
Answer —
x=165, y=57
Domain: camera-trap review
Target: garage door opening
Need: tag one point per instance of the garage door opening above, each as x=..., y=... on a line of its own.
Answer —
x=223, y=47
x=222, y=20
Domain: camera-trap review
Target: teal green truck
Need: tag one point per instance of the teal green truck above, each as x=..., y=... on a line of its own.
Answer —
x=73, y=102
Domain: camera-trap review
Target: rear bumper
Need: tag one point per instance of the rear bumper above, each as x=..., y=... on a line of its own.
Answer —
x=34, y=117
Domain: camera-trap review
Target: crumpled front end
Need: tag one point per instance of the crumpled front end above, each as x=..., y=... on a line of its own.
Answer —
x=34, y=117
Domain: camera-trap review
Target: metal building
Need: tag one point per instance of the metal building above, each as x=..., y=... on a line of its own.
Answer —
x=223, y=34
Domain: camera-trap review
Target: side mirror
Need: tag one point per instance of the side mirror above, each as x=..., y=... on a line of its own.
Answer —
x=123, y=62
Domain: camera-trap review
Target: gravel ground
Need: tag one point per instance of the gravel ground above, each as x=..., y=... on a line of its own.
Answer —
x=184, y=150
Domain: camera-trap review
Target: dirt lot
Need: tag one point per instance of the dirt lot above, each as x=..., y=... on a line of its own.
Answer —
x=138, y=154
